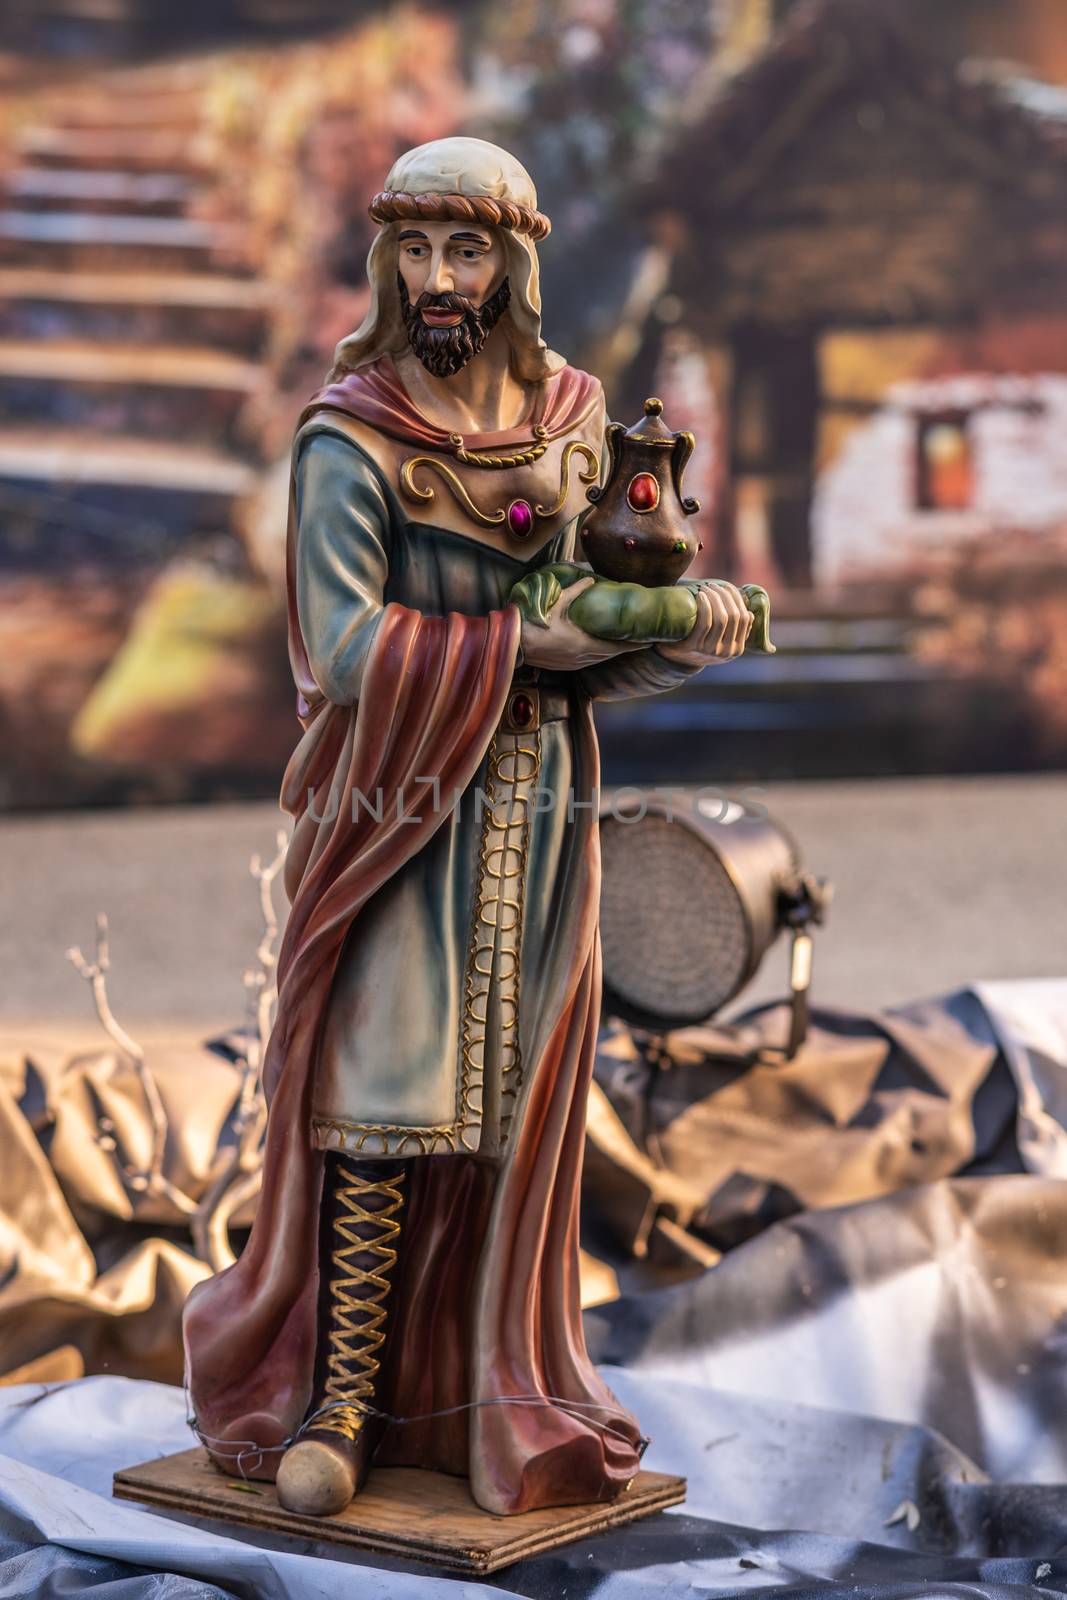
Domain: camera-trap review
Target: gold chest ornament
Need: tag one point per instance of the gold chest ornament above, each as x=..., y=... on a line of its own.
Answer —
x=519, y=516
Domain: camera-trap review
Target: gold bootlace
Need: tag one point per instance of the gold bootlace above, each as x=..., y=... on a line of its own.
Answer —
x=352, y=1363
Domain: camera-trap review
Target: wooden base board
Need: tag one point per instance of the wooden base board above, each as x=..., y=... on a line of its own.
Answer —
x=403, y=1512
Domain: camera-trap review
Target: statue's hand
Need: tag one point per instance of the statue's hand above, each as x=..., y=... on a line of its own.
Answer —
x=720, y=631
x=559, y=644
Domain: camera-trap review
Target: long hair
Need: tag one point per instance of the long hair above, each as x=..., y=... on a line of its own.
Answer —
x=465, y=179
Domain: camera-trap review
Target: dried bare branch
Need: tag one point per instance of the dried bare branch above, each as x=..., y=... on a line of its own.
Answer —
x=150, y=1179
x=238, y=1173
x=95, y=974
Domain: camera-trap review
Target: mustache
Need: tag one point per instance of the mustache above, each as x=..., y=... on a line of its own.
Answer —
x=444, y=302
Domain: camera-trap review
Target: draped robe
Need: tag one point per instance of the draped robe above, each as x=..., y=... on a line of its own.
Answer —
x=404, y=648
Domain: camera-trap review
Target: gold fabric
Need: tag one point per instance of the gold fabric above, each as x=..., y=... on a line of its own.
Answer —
x=681, y=1163
x=86, y=1262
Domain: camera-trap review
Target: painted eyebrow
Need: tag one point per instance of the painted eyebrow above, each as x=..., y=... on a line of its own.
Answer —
x=412, y=233
x=473, y=238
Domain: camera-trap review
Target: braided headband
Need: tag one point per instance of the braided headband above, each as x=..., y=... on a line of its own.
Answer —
x=391, y=207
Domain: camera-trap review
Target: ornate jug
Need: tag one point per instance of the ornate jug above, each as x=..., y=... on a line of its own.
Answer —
x=637, y=532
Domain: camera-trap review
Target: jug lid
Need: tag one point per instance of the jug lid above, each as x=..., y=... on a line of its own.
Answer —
x=651, y=429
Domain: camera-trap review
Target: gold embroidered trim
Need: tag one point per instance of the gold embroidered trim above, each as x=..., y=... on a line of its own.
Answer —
x=358, y=1296
x=382, y=1138
x=513, y=769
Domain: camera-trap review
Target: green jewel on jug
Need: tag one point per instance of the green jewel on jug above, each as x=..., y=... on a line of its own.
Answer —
x=638, y=546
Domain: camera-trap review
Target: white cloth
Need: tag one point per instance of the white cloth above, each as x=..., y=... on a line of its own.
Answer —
x=829, y=1483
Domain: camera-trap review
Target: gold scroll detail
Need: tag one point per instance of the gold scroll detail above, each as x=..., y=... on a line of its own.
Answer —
x=425, y=494
x=495, y=950
x=589, y=474
x=484, y=519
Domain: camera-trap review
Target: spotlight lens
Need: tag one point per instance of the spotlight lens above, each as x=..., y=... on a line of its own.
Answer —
x=674, y=932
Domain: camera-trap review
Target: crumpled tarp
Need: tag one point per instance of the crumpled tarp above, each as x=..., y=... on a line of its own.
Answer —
x=729, y=1137
x=867, y=1391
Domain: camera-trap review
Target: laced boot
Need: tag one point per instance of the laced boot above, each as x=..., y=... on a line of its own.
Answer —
x=329, y=1462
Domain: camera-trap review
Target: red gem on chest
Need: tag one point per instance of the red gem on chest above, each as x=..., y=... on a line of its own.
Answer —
x=521, y=710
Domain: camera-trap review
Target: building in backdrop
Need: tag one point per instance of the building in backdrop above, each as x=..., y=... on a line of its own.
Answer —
x=869, y=258
x=831, y=234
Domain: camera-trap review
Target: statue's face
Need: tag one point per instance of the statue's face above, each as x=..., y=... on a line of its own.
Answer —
x=453, y=290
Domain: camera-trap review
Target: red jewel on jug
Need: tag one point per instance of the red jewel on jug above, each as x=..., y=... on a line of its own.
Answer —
x=633, y=534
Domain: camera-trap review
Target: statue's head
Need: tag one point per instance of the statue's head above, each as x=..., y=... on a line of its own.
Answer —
x=456, y=255
x=454, y=287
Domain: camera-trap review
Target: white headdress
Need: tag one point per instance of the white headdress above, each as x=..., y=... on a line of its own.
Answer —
x=472, y=181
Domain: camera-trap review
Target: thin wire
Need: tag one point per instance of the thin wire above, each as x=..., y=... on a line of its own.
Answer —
x=248, y=1447
x=568, y=1407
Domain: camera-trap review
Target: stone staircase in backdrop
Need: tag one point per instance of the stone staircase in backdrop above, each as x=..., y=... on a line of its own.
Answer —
x=110, y=30
x=131, y=327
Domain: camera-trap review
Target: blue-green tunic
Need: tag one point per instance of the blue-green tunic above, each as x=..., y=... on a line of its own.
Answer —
x=444, y=980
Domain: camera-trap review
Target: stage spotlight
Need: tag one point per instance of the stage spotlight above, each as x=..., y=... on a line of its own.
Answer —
x=695, y=891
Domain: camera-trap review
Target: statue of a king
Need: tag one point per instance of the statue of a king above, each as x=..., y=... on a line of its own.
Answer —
x=410, y=1288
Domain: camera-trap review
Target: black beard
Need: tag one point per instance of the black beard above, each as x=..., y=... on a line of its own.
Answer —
x=446, y=351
